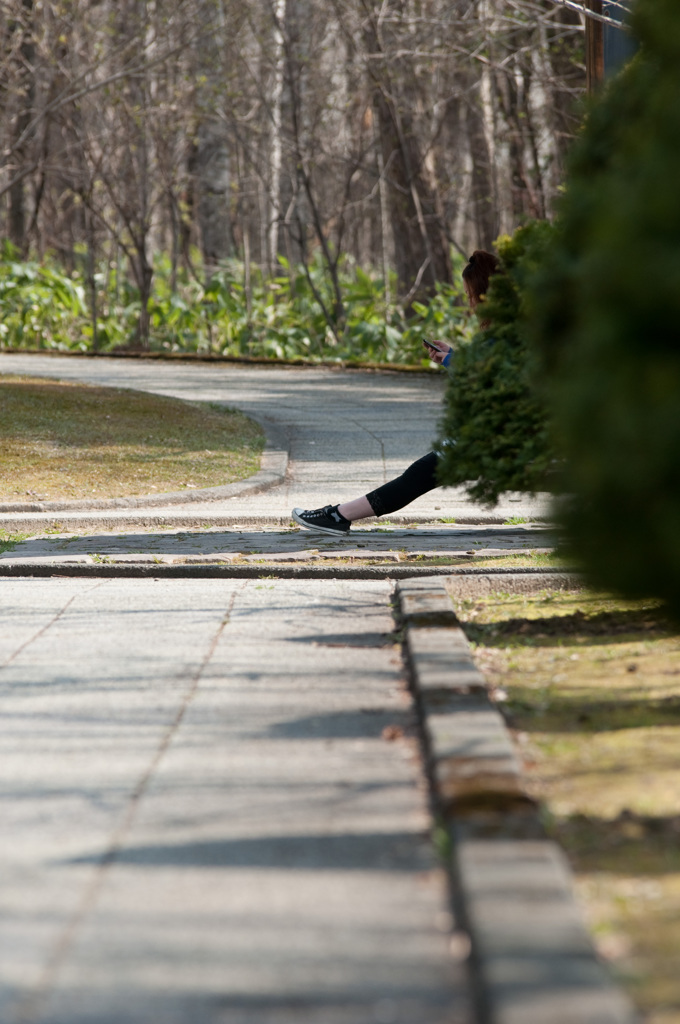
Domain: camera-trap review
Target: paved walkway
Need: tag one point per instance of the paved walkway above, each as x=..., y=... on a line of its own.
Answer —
x=277, y=550
x=213, y=809
x=214, y=803
x=213, y=788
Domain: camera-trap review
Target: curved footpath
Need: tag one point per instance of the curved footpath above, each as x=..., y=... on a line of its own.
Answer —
x=332, y=434
x=214, y=790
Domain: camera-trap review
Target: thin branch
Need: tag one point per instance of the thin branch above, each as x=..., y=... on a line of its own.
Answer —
x=406, y=302
x=67, y=96
x=580, y=7
x=24, y=173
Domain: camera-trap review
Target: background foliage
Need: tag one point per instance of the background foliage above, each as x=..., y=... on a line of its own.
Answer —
x=279, y=318
x=316, y=130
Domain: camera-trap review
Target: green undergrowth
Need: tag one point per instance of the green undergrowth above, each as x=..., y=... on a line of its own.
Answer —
x=68, y=441
x=293, y=315
x=590, y=686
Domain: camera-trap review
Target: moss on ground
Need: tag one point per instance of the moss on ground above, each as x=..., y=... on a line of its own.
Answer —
x=591, y=689
x=65, y=441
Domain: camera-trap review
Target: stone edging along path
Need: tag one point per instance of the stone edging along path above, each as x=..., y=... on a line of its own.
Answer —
x=469, y=582
x=531, y=958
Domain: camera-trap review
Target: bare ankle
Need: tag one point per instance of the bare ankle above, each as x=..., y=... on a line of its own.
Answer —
x=358, y=508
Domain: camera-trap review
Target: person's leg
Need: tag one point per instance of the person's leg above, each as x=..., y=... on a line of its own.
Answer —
x=420, y=477
x=358, y=508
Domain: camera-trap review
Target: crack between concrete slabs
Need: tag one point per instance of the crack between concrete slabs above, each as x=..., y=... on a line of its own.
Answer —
x=48, y=625
x=31, y=1006
x=379, y=441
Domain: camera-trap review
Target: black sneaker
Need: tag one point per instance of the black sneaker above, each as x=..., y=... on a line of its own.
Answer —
x=324, y=520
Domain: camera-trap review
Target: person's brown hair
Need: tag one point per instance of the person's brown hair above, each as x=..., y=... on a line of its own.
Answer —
x=476, y=273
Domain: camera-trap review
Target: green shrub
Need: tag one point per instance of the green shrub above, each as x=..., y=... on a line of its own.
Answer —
x=494, y=430
x=39, y=305
x=607, y=323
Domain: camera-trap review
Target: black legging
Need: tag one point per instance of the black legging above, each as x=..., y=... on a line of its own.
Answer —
x=420, y=477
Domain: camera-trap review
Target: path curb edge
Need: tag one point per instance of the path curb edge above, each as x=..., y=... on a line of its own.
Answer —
x=531, y=957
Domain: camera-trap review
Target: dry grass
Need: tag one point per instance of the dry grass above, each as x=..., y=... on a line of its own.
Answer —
x=593, y=696
x=62, y=441
x=527, y=560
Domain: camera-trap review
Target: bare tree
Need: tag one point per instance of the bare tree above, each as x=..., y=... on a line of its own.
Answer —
x=390, y=132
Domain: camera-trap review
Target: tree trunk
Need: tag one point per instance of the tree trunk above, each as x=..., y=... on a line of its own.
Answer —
x=26, y=97
x=483, y=188
x=276, y=149
x=421, y=249
x=212, y=169
x=143, y=272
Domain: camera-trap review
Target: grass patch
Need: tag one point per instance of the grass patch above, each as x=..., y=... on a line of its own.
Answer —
x=593, y=697
x=63, y=440
x=8, y=541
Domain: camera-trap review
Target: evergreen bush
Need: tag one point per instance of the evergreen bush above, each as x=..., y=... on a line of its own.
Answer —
x=494, y=429
x=607, y=323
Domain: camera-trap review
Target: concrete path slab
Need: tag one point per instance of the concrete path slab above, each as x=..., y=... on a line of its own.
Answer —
x=214, y=810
